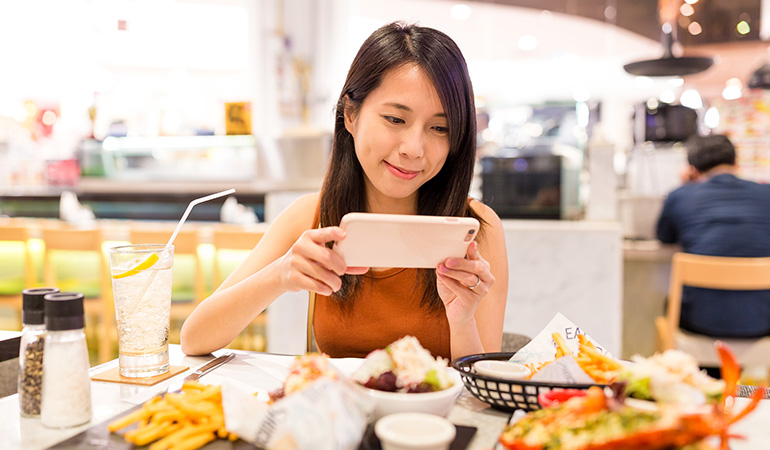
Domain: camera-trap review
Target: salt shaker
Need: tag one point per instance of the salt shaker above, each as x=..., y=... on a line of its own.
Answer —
x=31, y=350
x=66, y=398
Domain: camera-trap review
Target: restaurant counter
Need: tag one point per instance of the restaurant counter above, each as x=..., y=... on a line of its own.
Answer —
x=260, y=371
x=9, y=361
x=646, y=268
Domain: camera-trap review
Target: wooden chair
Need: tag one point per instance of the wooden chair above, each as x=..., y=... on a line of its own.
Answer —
x=228, y=240
x=66, y=242
x=712, y=272
x=186, y=243
x=311, y=343
x=16, y=236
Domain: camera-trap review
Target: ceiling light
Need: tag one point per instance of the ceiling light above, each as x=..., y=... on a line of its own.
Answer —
x=687, y=10
x=731, y=92
x=581, y=95
x=711, y=118
x=694, y=28
x=527, y=43
x=743, y=27
x=460, y=11
x=667, y=96
x=676, y=82
x=669, y=65
x=691, y=99
x=642, y=82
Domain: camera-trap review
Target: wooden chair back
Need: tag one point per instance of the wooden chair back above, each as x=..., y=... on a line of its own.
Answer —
x=312, y=346
x=711, y=272
x=21, y=235
x=231, y=238
x=62, y=239
x=18, y=235
x=226, y=239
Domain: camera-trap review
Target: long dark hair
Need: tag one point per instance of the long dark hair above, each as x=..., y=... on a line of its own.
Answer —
x=446, y=194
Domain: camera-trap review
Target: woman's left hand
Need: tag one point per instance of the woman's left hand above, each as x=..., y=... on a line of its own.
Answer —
x=462, y=283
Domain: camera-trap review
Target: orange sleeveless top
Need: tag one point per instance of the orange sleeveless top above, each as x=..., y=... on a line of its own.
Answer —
x=386, y=307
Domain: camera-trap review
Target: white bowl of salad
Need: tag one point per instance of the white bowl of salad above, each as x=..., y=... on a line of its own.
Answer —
x=404, y=377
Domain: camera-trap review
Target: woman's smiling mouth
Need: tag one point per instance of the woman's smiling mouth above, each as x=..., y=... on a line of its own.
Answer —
x=402, y=173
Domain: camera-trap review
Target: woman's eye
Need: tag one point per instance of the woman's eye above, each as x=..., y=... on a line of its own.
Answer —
x=442, y=130
x=392, y=119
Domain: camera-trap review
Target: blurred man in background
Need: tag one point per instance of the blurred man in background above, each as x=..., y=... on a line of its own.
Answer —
x=716, y=213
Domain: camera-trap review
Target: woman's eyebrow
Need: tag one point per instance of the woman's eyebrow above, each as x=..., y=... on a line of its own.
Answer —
x=408, y=109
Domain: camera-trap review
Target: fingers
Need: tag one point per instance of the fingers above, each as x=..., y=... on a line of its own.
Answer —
x=473, y=251
x=311, y=265
x=306, y=274
x=312, y=245
x=324, y=235
x=471, y=274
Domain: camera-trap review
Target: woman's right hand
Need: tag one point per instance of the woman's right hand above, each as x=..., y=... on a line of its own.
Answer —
x=311, y=265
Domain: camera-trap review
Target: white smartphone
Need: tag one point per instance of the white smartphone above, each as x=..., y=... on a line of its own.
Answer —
x=396, y=240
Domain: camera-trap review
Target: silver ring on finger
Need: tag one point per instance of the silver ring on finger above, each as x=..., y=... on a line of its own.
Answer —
x=478, y=282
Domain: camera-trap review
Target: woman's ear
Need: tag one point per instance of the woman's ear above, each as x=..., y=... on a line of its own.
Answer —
x=348, y=115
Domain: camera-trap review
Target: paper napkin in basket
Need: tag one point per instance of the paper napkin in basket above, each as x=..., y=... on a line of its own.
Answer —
x=328, y=414
x=541, y=350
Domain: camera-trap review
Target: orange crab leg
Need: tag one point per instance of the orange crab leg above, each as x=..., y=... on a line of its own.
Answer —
x=758, y=395
x=731, y=371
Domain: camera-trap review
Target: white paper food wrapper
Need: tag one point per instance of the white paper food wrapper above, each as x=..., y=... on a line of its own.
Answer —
x=541, y=349
x=326, y=415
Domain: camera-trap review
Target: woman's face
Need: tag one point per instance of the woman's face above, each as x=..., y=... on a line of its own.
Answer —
x=401, y=139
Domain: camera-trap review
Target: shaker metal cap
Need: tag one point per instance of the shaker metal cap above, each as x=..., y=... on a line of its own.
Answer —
x=32, y=312
x=64, y=311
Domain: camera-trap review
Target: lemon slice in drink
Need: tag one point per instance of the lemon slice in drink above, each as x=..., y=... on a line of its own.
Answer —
x=144, y=265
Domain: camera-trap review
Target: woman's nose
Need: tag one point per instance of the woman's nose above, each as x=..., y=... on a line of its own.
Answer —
x=412, y=145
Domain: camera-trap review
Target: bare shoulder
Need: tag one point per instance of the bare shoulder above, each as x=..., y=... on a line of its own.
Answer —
x=295, y=219
x=300, y=212
x=487, y=214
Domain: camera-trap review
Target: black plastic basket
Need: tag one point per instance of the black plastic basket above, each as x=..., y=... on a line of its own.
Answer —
x=505, y=395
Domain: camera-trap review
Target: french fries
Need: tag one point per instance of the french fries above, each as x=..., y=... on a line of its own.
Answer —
x=184, y=421
x=561, y=346
x=598, y=366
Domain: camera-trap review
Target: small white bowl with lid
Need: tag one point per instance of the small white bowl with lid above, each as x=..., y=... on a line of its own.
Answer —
x=414, y=431
x=504, y=370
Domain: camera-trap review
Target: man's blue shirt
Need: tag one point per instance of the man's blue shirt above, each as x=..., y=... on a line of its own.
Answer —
x=723, y=216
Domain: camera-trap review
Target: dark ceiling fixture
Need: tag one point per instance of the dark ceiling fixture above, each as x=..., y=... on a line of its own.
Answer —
x=669, y=65
x=760, y=79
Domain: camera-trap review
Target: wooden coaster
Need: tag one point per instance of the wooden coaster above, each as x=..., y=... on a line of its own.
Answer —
x=114, y=376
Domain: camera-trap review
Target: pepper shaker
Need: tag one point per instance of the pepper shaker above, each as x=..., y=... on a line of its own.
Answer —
x=31, y=350
x=66, y=398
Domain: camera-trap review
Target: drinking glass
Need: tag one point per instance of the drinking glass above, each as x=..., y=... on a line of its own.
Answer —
x=141, y=285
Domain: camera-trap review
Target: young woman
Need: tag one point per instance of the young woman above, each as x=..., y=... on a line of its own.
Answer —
x=404, y=143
